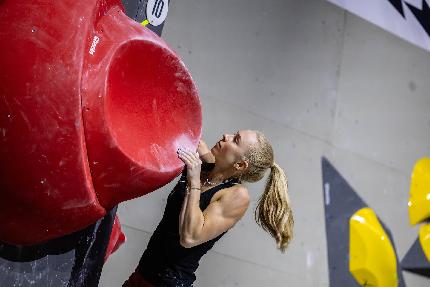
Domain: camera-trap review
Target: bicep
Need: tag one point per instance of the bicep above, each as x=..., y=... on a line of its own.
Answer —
x=216, y=221
x=221, y=215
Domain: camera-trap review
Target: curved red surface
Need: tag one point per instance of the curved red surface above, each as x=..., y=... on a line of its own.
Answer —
x=84, y=125
x=140, y=106
x=117, y=238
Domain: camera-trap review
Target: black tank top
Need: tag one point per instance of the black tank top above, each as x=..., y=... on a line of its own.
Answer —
x=165, y=262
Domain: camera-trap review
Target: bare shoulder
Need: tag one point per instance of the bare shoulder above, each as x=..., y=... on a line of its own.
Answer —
x=235, y=202
x=237, y=194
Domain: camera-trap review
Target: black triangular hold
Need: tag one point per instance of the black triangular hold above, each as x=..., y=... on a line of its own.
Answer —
x=398, y=5
x=340, y=203
x=423, y=16
x=415, y=260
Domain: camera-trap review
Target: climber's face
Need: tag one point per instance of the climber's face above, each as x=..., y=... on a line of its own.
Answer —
x=231, y=148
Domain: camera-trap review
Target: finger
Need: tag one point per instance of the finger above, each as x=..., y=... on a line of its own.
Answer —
x=185, y=160
x=196, y=156
x=181, y=157
x=188, y=163
x=192, y=154
x=188, y=153
x=186, y=156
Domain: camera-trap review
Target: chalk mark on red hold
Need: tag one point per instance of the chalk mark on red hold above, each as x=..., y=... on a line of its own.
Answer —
x=94, y=45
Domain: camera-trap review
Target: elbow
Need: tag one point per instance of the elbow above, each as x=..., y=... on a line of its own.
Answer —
x=185, y=242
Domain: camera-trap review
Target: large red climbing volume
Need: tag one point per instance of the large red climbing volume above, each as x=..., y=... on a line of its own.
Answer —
x=93, y=107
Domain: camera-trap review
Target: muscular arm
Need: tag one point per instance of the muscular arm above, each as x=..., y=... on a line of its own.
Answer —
x=182, y=214
x=204, y=152
x=198, y=227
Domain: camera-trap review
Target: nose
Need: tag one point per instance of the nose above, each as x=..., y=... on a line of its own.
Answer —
x=225, y=137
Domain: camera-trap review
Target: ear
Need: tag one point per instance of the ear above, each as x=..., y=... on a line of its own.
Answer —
x=241, y=165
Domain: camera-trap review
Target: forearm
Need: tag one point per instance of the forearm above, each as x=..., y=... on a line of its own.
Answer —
x=182, y=213
x=207, y=157
x=191, y=216
x=205, y=152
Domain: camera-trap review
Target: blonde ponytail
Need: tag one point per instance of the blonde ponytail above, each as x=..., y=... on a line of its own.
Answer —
x=273, y=212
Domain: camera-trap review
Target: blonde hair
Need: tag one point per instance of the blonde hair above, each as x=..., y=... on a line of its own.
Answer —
x=273, y=212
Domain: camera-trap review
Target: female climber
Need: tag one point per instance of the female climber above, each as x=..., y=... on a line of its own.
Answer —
x=207, y=201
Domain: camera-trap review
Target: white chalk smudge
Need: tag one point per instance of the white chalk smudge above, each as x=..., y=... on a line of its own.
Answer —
x=310, y=259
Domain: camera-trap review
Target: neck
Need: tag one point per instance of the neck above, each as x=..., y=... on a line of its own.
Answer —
x=217, y=174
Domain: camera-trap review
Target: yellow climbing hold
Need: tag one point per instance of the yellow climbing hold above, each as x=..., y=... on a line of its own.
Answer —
x=372, y=259
x=425, y=240
x=419, y=194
